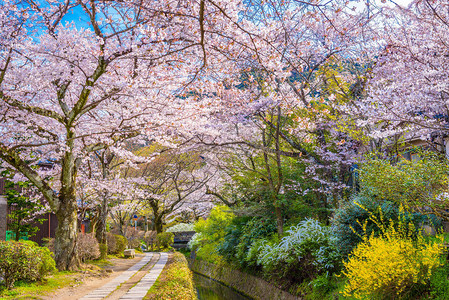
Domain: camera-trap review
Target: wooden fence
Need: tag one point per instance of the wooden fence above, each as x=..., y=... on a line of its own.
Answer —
x=45, y=230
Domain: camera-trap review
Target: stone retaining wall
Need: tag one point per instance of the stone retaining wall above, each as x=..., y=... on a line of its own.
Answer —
x=249, y=285
x=3, y=217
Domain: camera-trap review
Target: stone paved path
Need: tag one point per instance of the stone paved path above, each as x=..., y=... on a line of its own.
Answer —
x=125, y=287
x=139, y=291
x=113, y=284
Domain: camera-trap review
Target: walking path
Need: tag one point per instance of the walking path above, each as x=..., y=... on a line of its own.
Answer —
x=139, y=291
x=125, y=287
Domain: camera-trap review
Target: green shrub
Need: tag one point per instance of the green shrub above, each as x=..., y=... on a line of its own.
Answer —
x=308, y=250
x=396, y=264
x=50, y=244
x=48, y=263
x=211, y=233
x=254, y=252
x=164, y=240
x=240, y=237
x=103, y=250
x=208, y=252
x=255, y=229
x=116, y=243
x=121, y=244
x=415, y=184
x=439, y=283
x=214, y=228
x=228, y=246
x=349, y=219
x=24, y=261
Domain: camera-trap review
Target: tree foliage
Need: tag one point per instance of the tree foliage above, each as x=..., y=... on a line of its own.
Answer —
x=420, y=184
x=26, y=209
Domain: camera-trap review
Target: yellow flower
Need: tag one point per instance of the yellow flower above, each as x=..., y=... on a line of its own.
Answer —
x=391, y=263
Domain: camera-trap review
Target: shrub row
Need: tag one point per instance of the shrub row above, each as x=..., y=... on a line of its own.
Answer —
x=88, y=247
x=379, y=247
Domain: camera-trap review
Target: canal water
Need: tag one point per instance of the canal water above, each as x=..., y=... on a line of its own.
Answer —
x=208, y=289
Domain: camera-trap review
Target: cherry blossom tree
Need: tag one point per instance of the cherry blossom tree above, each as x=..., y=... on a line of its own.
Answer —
x=124, y=205
x=294, y=103
x=408, y=88
x=69, y=87
x=100, y=175
x=173, y=182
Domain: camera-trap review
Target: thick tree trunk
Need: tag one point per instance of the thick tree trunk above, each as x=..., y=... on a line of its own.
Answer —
x=279, y=221
x=67, y=213
x=158, y=224
x=66, y=237
x=158, y=215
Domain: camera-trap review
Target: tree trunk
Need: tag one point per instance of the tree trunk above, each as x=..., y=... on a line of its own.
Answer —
x=100, y=232
x=158, y=224
x=279, y=221
x=17, y=231
x=66, y=256
x=93, y=224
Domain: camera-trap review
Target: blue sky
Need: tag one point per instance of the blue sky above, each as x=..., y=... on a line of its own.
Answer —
x=77, y=16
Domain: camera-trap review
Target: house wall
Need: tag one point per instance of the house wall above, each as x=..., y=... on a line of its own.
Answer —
x=45, y=230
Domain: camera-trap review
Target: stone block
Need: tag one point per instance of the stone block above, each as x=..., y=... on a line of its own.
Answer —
x=129, y=253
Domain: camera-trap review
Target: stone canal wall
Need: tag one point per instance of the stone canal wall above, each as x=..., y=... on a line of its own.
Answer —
x=248, y=285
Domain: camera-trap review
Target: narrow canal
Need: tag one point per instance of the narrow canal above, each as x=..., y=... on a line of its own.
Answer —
x=208, y=289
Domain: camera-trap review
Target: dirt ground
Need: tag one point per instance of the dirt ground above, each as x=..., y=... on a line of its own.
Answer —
x=93, y=279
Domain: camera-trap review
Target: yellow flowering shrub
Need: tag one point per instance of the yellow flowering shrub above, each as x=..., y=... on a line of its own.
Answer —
x=389, y=265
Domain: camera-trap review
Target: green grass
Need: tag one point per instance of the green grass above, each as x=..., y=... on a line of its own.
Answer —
x=175, y=281
x=323, y=288
x=53, y=282
x=34, y=290
x=102, y=263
